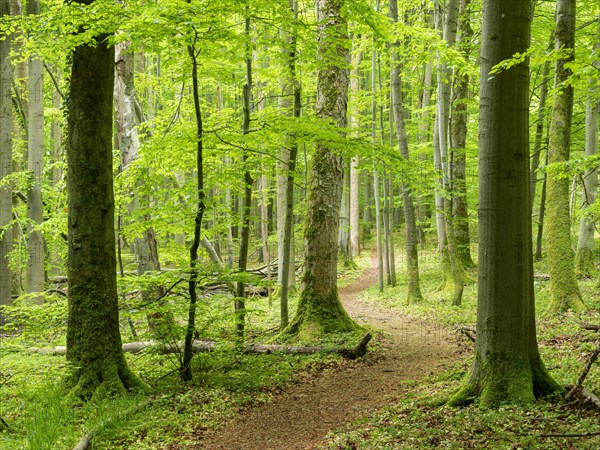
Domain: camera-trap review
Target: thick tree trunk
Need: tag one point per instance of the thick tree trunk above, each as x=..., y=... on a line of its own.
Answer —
x=584, y=259
x=564, y=290
x=319, y=309
x=412, y=237
x=507, y=367
x=93, y=337
x=5, y=162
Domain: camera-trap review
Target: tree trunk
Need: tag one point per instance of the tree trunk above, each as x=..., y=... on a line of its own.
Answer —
x=424, y=138
x=35, y=165
x=412, y=237
x=354, y=123
x=319, y=309
x=507, y=367
x=458, y=139
x=540, y=124
x=540, y=229
x=5, y=162
x=564, y=290
x=451, y=267
x=584, y=260
x=93, y=337
x=286, y=262
x=240, y=299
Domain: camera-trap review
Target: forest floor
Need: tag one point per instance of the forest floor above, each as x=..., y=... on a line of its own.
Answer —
x=301, y=416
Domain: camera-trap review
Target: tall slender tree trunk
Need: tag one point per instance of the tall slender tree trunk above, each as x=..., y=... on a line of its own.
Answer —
x=507, y=367
x=424, y=138
x=319, y=309
x=540, y=125
x=584, y=259
x=540, y=228
x=185, y=367
x=93, y=336
x=240, y=298
x=564, y=290
x=6, y=120
x=354, y=122
x=458, y=139
x=412, y=237
x=451, y=266
x=128, y=116
x=35, y=165
x=286, y=262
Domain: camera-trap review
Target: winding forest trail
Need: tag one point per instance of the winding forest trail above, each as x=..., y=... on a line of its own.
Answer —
x=301, y=416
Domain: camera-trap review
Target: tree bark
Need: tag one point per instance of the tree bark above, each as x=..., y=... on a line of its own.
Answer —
x=458, y=139
x=93, y=337
x=354, y=125
x=507, y=367
x=412, y=237
x=5, y=162
x=286, y=263
x=584, y=258
x=564, y=290
x=35, y=165
x=319, y=309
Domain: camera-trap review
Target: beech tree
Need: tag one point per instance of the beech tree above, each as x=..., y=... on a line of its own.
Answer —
x=93, y=336
x=319, y=308
x=5, y=162
x=564, y=290
x=507, y=367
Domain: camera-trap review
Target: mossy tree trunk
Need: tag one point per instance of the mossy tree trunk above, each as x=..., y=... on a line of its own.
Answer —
x=319, y=309
x=93, y=337
x=507, y=367
x=564, y=290
x=412, y=237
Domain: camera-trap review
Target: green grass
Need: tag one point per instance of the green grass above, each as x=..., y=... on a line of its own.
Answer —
x=177, y=414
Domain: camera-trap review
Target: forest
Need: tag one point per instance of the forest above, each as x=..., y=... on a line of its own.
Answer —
x=298, y=224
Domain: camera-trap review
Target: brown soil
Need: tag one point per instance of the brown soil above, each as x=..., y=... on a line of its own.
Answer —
x=301, y=416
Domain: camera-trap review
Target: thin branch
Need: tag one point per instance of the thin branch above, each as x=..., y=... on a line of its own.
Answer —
x=55, y=82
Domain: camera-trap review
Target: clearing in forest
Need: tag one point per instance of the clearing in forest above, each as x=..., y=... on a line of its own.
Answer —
x=301, y=416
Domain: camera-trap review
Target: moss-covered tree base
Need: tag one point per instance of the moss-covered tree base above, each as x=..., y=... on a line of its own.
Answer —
x=319, y=315
x=503, y=379
x=100, y=380
x=567, y=302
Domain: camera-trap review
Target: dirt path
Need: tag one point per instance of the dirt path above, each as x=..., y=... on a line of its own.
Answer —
x=301, y=416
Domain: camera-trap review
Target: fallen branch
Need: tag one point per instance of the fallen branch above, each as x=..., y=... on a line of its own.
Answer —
x=590, y=326
x=592, y=433
x=468, y=331
x=199, y=346
x=584, y=373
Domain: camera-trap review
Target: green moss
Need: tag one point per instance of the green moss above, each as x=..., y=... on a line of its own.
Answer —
x=318, y=315
x=505, y=379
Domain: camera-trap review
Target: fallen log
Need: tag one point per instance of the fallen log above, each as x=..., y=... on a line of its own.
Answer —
x=202, y=346
x=590, y=326
x=468, y=331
